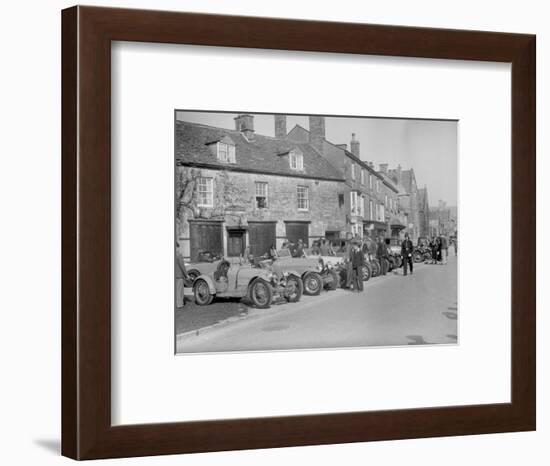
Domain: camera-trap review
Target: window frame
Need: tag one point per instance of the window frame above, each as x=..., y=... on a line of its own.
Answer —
x=297, y=157
x=265, y=196
x=306, y=198
x=209, y=182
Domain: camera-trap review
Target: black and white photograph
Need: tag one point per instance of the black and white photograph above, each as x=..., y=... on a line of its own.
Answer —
x=314, y=232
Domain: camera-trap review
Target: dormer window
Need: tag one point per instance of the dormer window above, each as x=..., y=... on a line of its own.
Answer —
x=223, y=149
x=226, y=152
x=296, y=159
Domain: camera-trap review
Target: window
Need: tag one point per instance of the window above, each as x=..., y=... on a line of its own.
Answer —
x=362, y=205
x=377, y=185
x=353, y=201
x=206, y=192
x=261, y=195
x=371, y=210
x=296, y=160
x=370, y=181
x=303, y=198
x=226, y=153
x=340, y=200
x=352, y=170
x=362, y=176
x=386, y=200
x=381, y=215
x=356, y=229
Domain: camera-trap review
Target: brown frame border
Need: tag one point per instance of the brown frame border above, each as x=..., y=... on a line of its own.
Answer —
x=87, y=33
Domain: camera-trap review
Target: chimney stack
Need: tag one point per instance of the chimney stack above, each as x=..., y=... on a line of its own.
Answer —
x=317, y=132
x=280, y=126
x=245, y=124
x=383, y=167
x=354, y=146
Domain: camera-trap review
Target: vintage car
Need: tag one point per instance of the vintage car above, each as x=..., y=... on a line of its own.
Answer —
x=238, y=280
x=315, y=274
x=206, y=262
x=394, y=252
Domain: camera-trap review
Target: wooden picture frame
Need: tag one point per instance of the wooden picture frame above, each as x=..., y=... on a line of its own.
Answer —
x=87, y=33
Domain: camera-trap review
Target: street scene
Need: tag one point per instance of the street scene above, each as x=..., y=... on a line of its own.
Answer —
x=286, y=240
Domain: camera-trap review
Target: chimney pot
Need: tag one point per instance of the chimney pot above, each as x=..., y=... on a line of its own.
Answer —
x=354, y=146
x=280, y=126
x=245, y=124
x=317, y=132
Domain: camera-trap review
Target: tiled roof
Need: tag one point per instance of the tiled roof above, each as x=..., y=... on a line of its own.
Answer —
x=300, y=131
x=263, y=154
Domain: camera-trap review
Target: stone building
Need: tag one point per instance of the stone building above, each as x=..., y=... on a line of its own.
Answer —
x=423, y=212
x=395, y=218
x=238, y=190
x=443, y=219
x=363, y=198
x=408, y=198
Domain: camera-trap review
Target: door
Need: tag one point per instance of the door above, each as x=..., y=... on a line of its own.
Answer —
x=205, y=236
x=236, y=243
x=261, y=237
x=296, y=231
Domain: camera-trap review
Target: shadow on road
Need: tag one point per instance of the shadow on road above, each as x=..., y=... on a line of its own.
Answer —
x=417, y=340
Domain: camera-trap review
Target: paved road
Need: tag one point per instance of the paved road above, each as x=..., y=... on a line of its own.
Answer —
x=392, y=310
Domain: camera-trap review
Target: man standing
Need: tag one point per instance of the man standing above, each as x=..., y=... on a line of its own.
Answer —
x=357, y=262
x=444, y=249
x=181, y=278
x=347, y=259
x=407, y=252
x=381, y=255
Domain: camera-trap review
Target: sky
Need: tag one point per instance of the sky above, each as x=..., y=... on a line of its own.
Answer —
x=428, y=146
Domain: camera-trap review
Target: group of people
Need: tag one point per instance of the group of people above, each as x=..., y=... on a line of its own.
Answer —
x=359, y=248
x=439, y=248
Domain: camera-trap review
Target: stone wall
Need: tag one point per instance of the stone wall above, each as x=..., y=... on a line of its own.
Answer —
x=235, y=202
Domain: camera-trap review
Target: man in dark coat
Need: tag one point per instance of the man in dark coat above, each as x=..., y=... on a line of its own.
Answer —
x=407, y=252
x=357, y=262
x=182, y=278
x=382, y=255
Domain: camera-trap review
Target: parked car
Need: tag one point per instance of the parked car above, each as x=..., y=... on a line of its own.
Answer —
x=312, y=270
x=422, y=254
x=394, y=252
x=238, y=280
x=207, y=262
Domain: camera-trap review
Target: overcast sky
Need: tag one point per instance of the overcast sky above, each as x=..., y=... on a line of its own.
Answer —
x=430, y=147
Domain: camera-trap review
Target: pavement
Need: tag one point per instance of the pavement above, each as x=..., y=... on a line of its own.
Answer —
x=394, y=310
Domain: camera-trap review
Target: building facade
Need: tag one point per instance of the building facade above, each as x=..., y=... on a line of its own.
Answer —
x=443, y=220
x=238, y=191
x=408, y=199
x=364, y=199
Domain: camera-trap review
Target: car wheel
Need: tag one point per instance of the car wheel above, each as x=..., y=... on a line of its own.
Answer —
x=427, y=256
x=375, y=266
x=418, y=257
x=201, y=290
x=366, y=272
x=293, y=289
x=335, y=283
x=261, y=294
x=313, y=284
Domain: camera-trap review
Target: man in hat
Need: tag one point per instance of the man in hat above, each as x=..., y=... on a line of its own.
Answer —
x=357, y=261
x=407, y=252
x=382, y=255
